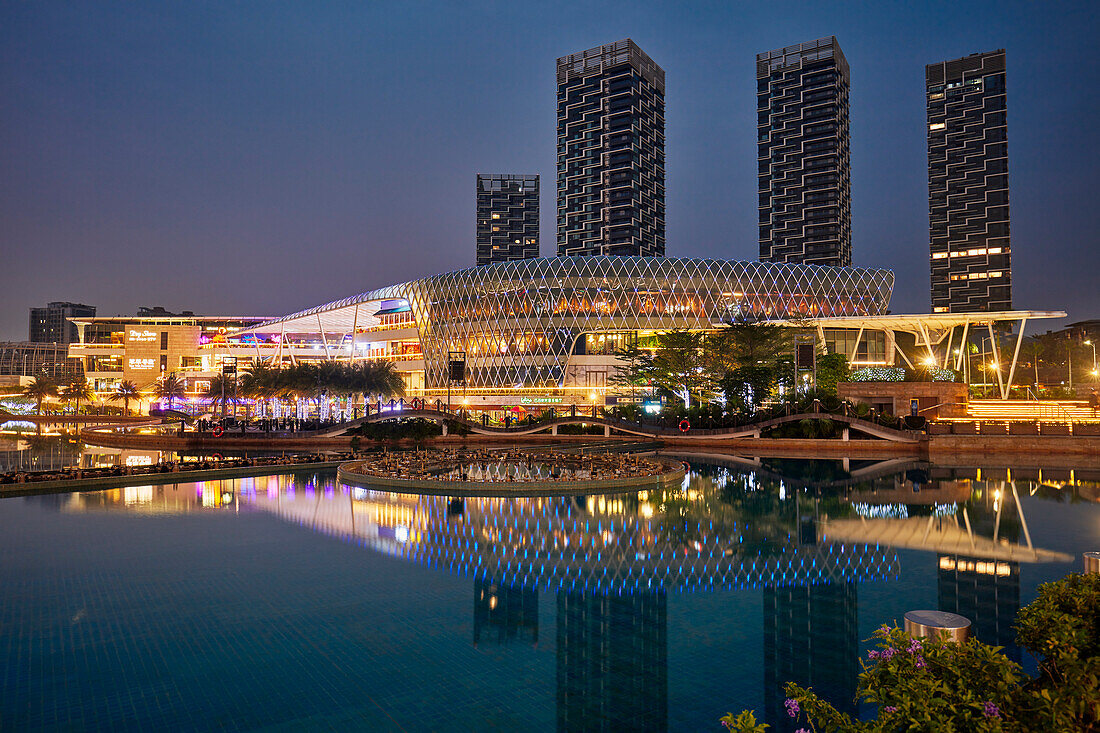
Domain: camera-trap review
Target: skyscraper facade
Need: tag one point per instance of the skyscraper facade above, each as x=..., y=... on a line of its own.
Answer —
x=507, y=218
x=802, y=133
x=805, y=185
x=611, y=152
x=50, y=325
x=968, y=184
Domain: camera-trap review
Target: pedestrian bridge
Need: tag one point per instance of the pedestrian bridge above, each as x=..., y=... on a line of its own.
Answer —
x=753, y=430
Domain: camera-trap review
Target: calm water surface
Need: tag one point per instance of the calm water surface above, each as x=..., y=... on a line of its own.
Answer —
x=293, y=602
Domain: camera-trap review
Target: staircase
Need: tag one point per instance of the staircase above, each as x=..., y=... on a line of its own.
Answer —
x=1044, y=410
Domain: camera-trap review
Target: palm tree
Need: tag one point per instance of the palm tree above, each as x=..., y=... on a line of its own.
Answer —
x=260, y=382
x=221, y=385
x=170, y=388
x=40, y=390
x=124, y=392
x=79, y=390
x=377, y=378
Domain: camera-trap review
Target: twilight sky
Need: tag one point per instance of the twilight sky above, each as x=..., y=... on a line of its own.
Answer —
x=258, y=158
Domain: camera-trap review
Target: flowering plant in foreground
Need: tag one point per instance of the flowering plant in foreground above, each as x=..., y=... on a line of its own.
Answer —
x=931, y=684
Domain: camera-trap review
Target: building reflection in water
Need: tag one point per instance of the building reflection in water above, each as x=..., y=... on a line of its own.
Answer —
x=811, y=638
x=612, y=661
x=504, y=613
x=612, y=561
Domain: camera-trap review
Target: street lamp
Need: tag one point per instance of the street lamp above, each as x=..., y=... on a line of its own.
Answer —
x=1095, y=370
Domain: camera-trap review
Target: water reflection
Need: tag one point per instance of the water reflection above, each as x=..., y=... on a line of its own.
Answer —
x=612, y=562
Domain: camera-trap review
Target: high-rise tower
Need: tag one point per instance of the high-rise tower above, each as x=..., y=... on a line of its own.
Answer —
x=611, y=152
x=507, y=218
x=968, y=184
x=51, y=325
x=802, y=132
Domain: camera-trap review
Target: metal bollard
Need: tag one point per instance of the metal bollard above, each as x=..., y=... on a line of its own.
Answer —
x=1092, y=562
x=946, y=626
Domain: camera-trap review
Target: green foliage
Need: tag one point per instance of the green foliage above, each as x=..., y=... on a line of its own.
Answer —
x=41, y=389
x=831, y=368
x=124, y=392
x=930, y=684
x=748, y=344
x=900, y=374
x=635, y=367
x=1062, y=629
x=414, y=429
x=677, y=366
x=747, y=387
x=169, y=389
x=806, y=428
x=745, y=722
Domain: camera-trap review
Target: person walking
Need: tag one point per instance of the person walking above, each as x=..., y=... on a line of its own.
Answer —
x=1094, y=401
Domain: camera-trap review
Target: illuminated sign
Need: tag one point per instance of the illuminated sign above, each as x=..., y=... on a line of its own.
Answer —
x=540, y=400
x=142, y=336
x=141, y=364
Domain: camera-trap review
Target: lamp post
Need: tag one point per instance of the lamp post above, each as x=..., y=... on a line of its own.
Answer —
x=1095, y=370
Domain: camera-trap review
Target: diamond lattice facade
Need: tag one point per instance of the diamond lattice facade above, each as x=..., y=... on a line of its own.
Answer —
x=522, y=322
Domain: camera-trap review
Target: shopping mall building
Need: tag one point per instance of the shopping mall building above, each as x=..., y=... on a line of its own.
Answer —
x=541, y=331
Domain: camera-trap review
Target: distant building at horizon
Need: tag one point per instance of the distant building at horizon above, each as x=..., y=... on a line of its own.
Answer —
x=507, y=217
x=51, y=325
x=611, y=152
x=968, y=184
x=805, y=183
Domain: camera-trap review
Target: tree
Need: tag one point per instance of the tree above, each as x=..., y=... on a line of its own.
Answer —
x=79, y=390
x=380, y=378
x=40, y=390
x=169, y=389
x=124, y=392
x=831, y=368
x=261, y=382
x=1031, y=351
x=747, y=387
x=635, y=367
x=749, y=344
x=678, y=365
x=220, y=385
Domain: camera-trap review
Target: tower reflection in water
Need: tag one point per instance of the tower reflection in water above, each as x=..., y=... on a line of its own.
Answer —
x=612, y=562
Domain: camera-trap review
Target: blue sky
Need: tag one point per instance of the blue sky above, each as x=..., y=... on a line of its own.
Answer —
x=257, y=158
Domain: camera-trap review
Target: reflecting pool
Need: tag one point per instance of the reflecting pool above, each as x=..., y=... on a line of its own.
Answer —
x=296, y=602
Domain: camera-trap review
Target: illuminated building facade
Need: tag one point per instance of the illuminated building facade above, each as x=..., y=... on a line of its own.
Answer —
x=611, y=152
x=805, y=183
x=529, y=322
x=141, y=349
x=968, y=184
x=507, y=218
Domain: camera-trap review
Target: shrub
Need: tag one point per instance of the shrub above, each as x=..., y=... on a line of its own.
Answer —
x=928, y=684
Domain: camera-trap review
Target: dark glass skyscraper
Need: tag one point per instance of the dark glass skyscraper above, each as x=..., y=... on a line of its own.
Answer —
x=802, y=132
x=968, y=184
x=611, y=152
x=50, y=325
x=507, y=218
